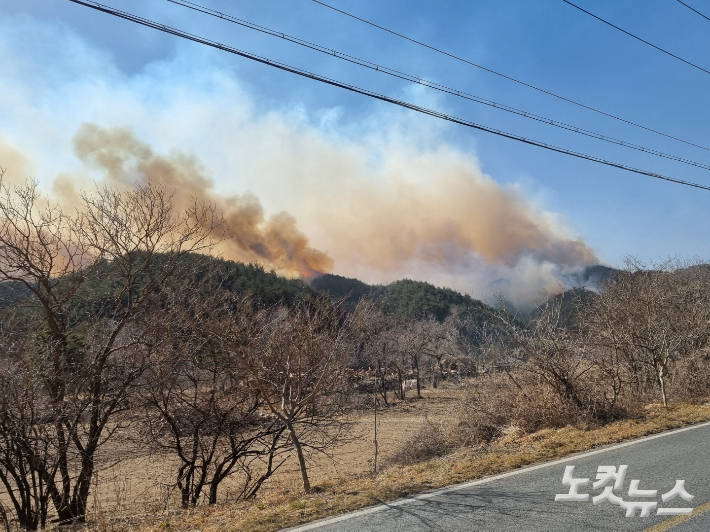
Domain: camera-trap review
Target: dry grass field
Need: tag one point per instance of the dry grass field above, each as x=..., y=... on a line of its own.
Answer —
x=134, y=488
x=138, y=483
x=133, y=494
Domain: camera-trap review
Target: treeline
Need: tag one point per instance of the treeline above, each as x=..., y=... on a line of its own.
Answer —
x=410, y=299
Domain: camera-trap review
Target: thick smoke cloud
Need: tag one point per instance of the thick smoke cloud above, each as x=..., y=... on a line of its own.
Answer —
x=437, y=207
x=383, y=194
x=396, y=200
x=276, y=242
x=428, y=213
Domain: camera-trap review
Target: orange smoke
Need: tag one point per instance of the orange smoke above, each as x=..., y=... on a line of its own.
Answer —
x=425, y=213
x=275, y=242
x=15, y=165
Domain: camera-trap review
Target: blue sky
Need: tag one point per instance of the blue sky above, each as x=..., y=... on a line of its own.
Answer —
x=66, y=64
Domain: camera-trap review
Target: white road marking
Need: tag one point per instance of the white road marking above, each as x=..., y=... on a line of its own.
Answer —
x=429, y=494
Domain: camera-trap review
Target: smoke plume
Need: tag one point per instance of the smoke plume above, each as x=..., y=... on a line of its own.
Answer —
x=399, y=201
x=383, y=193
x=438, y=208
x=435, y=216
x=275, y=242
x=426, y=213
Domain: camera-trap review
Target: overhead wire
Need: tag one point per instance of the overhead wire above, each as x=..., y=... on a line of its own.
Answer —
x=510, y=78
x=366, y=92
x=436, y=86
x=638, y=38
x=693, y=9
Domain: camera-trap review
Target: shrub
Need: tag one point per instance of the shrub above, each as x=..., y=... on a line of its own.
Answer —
x=428, y=441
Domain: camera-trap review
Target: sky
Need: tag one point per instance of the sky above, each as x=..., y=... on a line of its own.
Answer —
x=381, y=192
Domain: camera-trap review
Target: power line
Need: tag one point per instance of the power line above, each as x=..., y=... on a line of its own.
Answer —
x=437, y=86
x=510, y=78
x=693, y=9
x=638, y=38
x=295, y=70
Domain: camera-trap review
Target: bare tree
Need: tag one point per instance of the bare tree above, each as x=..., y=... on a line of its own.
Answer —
x=415, y=340
x=650, y=315
x=199, y=402
x=298, y=360
x=378, y=342
x=119, y=249
x=23, y=428
x=559, y=355
x=447, y=346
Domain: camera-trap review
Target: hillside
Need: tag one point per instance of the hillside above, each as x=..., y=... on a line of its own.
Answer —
x=351, y=289
x=413, y=299
x=572, y=304
x=595, y=276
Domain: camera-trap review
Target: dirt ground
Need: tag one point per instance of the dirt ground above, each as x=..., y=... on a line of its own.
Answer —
x=133, y=481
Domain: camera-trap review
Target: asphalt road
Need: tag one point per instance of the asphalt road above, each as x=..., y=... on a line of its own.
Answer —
x=524, y=500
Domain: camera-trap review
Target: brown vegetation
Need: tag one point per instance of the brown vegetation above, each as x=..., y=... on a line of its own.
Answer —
x=279, y=509
x=65, y=381
x=111, y=338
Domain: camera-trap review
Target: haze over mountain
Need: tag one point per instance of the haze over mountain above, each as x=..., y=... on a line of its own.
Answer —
x=381, y=196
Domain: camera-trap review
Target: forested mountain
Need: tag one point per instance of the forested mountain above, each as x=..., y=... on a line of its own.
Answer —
x=416, y=299
x=572, y=303
x=413, y=299
x=251, y=280
x=595, y=276
x=12, y=291
x=352, y=289
x=265, y=287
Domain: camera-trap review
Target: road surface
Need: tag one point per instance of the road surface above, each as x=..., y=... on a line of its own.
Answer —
x=524, y=500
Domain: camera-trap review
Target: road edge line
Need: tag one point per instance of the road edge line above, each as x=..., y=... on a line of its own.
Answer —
x=456, y=487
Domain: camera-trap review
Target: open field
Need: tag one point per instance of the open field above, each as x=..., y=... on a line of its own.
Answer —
x=140, y=483
x=134, y=486
x=133, y=496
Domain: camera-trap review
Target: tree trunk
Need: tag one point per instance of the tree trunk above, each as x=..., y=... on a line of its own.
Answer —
x=376, y=442
x=383, y=383
x=185, y=489
x=213, y=491
x=301, y=459
x=419, y=386
x=662, y=384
